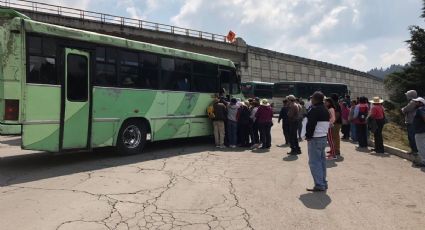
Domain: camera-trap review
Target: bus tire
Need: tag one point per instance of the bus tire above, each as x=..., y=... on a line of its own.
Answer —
x=131, y=137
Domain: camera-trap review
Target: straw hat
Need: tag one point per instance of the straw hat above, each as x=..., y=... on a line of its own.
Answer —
x=376, y=100
x=265, y=102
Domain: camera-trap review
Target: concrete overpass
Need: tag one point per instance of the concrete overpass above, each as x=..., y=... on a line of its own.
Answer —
x=253, y=63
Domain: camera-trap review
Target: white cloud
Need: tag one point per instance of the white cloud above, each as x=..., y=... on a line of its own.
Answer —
x=184, y=17
x=358, y=61
x=328, y=22
x=399, y=56
x=135, y=13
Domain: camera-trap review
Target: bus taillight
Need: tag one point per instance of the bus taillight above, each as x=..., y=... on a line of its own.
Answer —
x=11, y=110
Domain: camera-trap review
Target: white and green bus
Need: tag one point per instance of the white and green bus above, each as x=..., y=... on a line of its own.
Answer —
x=67, y=89
x=304, y=90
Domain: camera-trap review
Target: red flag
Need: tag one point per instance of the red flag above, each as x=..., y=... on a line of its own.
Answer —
x=231, y=36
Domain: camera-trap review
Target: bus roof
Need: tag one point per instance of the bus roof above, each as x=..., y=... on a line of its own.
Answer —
x=302, y=82
x=88, y=36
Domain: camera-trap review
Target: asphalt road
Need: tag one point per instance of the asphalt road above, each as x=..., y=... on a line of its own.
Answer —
x=189, y=184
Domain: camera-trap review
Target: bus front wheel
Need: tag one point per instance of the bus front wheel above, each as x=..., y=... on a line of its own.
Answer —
x=131, y=137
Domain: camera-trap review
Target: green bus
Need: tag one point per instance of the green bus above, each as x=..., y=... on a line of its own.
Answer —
x=67, y=89
x=305, y=89
x=258, y=89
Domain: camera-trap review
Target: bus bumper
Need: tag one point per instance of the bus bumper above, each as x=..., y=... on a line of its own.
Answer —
x=10, y=129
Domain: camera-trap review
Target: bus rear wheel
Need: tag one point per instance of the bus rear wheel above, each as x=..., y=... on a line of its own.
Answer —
x=131, y=137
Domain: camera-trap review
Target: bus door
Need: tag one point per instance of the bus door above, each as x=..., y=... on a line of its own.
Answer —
x=76, y=101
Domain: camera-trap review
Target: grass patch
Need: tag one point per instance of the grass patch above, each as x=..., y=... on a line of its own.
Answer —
x=395, y=136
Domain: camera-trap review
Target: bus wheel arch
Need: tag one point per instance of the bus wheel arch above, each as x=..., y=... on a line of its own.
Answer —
x=132, y=136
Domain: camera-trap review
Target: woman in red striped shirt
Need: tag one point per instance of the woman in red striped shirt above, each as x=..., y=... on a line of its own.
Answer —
x=377, y=113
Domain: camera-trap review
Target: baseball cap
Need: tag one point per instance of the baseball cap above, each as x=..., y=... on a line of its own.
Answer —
x=420, y=99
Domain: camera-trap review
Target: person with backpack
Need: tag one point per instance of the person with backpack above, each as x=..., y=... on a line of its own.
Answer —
x=217, y=113
x=360, y=119
x=377, y=114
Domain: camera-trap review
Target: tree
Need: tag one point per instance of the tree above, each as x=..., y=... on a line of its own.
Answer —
x=412, y=76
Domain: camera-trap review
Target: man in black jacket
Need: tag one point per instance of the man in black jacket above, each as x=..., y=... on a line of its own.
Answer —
x=316, y=132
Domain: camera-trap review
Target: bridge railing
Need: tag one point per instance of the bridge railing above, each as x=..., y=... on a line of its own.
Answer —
x=108, y=19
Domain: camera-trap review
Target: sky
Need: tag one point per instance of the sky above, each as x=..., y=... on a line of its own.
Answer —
x=360, y=34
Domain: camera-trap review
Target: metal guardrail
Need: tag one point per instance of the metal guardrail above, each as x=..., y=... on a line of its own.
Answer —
x=108, y=19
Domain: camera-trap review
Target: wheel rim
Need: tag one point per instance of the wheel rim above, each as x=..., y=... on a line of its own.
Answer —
x=132, y=137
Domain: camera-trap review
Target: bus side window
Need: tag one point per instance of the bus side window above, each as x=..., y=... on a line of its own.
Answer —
x=175, y=74
x=225, y=82
x=229, y=81
x=106, y=74
x=129, y=69
x=205, y=78
x=42, y=60
x=149, y=71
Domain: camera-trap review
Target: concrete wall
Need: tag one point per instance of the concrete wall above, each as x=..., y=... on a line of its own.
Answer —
x=253, y=63
x=269, y=66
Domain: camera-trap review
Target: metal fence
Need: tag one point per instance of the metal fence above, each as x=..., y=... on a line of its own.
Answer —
x=108, y=19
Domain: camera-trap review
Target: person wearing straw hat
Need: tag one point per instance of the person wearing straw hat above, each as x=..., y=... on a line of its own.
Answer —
x=419, y=124
x=377, y=114
x=264, y=117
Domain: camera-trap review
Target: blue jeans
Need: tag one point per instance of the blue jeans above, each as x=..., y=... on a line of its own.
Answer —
x=232, y=127
x=317, y=161
x=411, y=137
x=353, y=132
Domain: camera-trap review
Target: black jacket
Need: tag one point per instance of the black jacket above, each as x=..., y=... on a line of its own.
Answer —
x=317, y=113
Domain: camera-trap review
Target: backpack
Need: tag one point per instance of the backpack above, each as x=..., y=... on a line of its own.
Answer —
x=362, y=113
x=210, y=112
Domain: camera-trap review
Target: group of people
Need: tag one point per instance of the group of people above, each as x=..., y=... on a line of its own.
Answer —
x=242, y=123
x=320, y=120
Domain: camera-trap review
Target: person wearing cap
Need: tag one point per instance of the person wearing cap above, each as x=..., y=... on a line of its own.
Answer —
x=419, y=124
x=293, y=119
x=316, y=132
x=409, y=112
x=377, y=113
x=264, y=117
x=232, y=122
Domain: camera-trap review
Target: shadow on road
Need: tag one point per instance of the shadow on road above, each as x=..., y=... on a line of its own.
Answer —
x=291, y=158
x=331, y=164
x=37, y=166
x=11, y=142
x=382, y=155
x=315, y=200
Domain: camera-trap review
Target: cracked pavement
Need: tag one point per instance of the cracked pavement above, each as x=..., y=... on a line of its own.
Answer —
x=189, y=184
